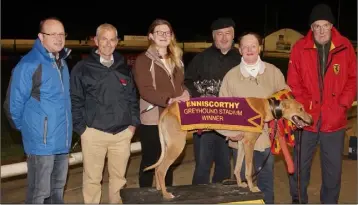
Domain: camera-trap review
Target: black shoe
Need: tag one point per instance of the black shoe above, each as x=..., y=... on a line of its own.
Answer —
x=295, y=201
x=229, y=182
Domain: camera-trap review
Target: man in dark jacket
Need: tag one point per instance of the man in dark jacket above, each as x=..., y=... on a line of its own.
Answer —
x=105, y=113
x=322, y=74
x=203, y=78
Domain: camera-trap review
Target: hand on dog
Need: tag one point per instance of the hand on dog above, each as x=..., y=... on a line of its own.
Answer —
x=184, y=97
x=172, y=100
x=237, y=137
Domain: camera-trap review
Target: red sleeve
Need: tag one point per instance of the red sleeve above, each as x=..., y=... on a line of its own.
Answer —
x=350, y=88
x=294, y=77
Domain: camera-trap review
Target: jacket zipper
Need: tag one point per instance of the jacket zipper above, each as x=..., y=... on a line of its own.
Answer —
x=324, y=62
x=334, y=53
x=45, y=131
x=63, y=92
x=321, y=78
x=329, y=61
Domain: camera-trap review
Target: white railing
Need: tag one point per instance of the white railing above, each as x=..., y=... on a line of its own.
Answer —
x=20, y=168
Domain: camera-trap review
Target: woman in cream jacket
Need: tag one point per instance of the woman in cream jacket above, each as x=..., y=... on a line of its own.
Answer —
x=255, y=78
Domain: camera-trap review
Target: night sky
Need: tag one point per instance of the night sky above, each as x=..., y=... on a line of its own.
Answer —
x=191, y=21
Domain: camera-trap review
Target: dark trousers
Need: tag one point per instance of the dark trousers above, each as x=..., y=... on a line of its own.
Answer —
x=211, y=147
x=46, y=178
x=265, y=177
x=331, y=152
x=151, y=150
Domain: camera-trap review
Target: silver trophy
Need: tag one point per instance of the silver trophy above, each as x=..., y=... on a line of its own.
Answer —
x=208, y=88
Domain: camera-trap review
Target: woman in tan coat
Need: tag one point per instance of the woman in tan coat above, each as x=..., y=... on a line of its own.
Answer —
x=159, y=76
x=255, y=78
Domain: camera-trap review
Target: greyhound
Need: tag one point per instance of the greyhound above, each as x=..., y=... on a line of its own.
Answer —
x=173, y=138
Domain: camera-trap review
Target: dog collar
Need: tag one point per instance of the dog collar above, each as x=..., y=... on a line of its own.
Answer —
x=275, y=108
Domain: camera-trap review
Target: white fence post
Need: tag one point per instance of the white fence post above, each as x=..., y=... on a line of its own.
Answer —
x=20, y=168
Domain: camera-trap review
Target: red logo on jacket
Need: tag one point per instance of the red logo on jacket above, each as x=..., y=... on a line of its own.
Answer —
x=123, y=81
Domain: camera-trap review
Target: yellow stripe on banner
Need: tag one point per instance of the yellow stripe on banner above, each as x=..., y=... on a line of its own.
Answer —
x=251, y=120
x=258, y=201
x=221, y=127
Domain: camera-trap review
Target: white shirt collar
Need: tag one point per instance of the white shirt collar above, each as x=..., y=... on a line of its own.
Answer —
x=252, y=70
x=104, y=61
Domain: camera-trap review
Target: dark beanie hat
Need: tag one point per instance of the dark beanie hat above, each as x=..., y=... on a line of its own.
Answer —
x=222, y=23
x=321, y=12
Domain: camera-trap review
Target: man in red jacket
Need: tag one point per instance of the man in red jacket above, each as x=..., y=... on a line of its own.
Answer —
x=322, y=75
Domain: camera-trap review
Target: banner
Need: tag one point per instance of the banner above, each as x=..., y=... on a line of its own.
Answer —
x=228, y=113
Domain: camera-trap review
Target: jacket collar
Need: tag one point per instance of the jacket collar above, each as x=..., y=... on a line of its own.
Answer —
x=231, y=51
x=153, y=55
x=336, y=39
x=246, y=74
x=64, y=53
x=117, y=58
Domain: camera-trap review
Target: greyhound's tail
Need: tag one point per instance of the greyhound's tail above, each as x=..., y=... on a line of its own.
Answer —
x=162, y=141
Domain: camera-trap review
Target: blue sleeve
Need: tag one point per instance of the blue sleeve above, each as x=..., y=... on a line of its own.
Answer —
x=18, y=93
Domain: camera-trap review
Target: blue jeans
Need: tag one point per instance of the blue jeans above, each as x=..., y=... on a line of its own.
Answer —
x=46, y=178
x=211, y=147
x=265, y=177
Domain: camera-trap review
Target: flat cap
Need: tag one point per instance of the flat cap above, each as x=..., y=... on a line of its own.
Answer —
x=222, y=23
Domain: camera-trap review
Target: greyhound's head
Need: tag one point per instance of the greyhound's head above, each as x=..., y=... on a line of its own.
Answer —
x=295, y=112
x=291, y=110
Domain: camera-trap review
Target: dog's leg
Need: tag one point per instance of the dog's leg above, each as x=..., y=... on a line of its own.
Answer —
x=249, y=145
x=172, y=154
x=239, y=160
x=157, y=185
x=175, y=140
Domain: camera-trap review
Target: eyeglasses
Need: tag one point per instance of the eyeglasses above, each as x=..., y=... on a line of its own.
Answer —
x=324, y=27
x=62, y=35
x=163, y=33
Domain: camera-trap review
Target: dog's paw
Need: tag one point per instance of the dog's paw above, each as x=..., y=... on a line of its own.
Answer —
x=169, y=196
x=157, y=186
x=255, y=189
x=242, y=184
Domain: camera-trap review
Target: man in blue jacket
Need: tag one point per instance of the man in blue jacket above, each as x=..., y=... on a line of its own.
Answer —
x=38, y=105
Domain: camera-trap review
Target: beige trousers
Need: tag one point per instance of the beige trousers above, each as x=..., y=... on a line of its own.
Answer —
x=95, y=145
